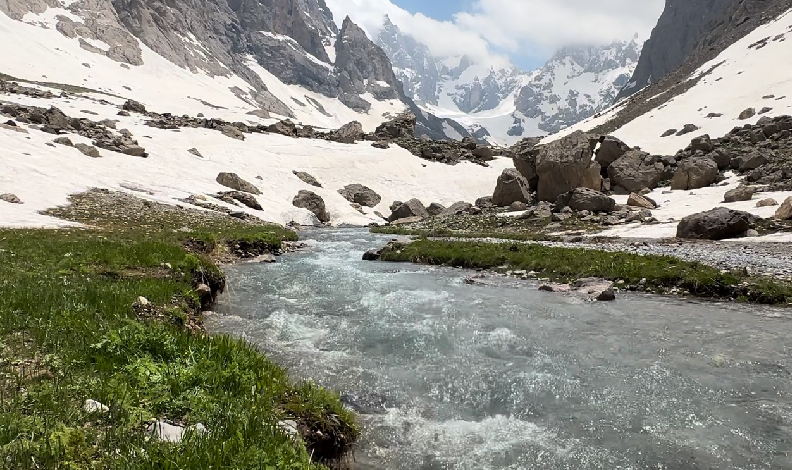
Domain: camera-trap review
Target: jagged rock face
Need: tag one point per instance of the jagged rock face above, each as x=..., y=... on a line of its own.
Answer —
x=412, y=62
x=678, y=31
x=363, y=68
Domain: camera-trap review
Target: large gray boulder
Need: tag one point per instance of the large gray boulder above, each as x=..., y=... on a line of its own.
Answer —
x=511, y=187
x=314, y=203
x=359, y=194
x=750, y=161
x=457, y=208
x=233, y=181
x=716, y=224
x=636, y=170
x=585, y=199
x=409, y=209
x=695, y=173
x=435, y=209
x=566, y=164
x=610, y=150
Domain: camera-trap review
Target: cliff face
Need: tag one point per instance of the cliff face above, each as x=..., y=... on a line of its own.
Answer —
x=677, y=33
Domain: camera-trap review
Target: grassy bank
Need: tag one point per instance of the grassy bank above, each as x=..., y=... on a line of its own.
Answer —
x=72, y=328
x=649, y=273
x=446, y=233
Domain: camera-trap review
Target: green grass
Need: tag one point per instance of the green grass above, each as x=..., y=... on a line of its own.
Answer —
x=447, y=233
x=660, y=273
x=69, y=332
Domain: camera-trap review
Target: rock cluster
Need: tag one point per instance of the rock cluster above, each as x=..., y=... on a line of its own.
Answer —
x=54, y=121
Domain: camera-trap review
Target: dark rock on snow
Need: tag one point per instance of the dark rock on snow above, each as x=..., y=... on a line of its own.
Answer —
x=716, y=224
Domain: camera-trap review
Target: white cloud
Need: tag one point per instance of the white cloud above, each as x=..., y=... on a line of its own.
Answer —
x=520, y=28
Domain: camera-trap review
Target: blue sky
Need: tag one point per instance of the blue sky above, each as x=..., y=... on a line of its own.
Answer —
x=498, y=32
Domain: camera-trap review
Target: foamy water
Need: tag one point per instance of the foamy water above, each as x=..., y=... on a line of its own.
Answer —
x=447, y=375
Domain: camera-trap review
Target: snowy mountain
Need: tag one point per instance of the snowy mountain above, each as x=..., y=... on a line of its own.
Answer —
x=504, y=102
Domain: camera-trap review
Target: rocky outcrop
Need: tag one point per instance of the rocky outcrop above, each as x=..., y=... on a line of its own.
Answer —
x=410, y=209
x=401, y=126
x=312, y=202
x=233, y=181
x=567, y=164
x=636, y=170
x=585, y=199
x=695, y=173
x=307, y=178
x=349, y=133
x=511, y=187
x=359, y=194
x=716, y=224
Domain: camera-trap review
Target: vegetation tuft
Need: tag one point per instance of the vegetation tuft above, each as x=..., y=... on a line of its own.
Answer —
x=72, y=329
x=650, y=273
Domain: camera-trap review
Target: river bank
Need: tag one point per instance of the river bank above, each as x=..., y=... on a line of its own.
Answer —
x=102, y=346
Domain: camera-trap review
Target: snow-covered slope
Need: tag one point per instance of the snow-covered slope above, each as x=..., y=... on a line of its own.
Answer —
x=747, y=74
x=504, y=102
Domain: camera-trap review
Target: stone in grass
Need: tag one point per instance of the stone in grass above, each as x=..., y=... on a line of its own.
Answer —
x=93, y=406
x=173, y=434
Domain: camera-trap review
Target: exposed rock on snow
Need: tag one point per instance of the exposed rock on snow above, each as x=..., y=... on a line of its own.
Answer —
x=314, y=203
x=769, y=202
x=511, y=187
x=716, y=224
x=741, y=193
x=10, y=198
x=307, y=178
x=349, y=133
x=410, y=209
x=89, y=150
x=359, y=194
x=747, y=114
x=233, y=181
x=695, y=173
x=134, y=107
x=244, y=197
x=644, y=202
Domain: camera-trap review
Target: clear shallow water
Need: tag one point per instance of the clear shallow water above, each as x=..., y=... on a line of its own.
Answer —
x=502, y=376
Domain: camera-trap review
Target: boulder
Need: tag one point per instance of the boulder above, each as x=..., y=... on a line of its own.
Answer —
x=511, y=187
x=409, y=209
x=518, y=206
x=566, y=164
x=435, y=209
x=741, y=193
x=10, y=198
x=747, y=114
x=722, y=158
x=687, y=129
x=233, y=181
x=381, y=144
x=716, y=224
x=749, y=161
x=134, y=106
x=64, y=141
x=349, y=133
x=247, y=199
x=286, y=128
x=785, y=211
x=306, y=178
x=668, y=133
x=484, y=202
x=314, y=203
x=232, y=131
x=702, y=144
x=695, y=173
x=610, y=150
x=89, y=150
x=402, y=126
x=359, y=194
x=585, y=199
x=637, y=200
x=458, y=208
x=483, y=152
x=636, y=170
x=769, y=202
